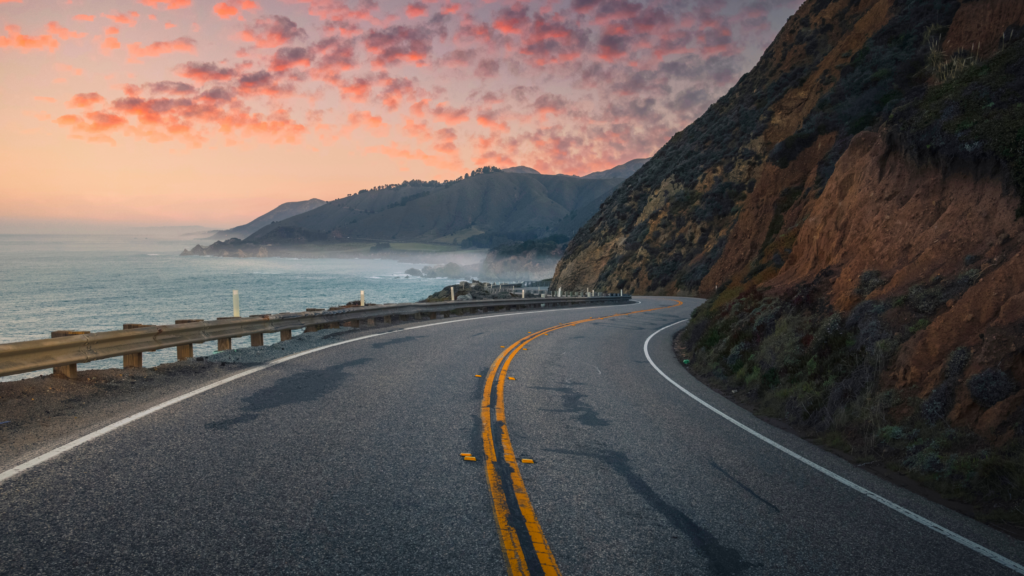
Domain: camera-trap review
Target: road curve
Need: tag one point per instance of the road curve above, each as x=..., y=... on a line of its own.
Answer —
x=347, y=461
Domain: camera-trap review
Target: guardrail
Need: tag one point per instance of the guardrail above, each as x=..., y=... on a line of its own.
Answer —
x=65, y=350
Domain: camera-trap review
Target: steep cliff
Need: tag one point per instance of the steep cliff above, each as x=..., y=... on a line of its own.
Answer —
x=852, y=210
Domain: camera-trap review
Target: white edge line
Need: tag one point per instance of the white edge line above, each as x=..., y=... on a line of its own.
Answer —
x=11, y=472
x=915, y=517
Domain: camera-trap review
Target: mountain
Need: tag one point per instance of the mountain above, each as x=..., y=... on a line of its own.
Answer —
x=851, y=209
x=282, y=212
x=511, y=205
x=520, y=170
x=623, y=171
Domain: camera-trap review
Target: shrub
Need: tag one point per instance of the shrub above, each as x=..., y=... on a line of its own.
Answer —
x=738, y=355
x=937, y=405
x=957, y=362
x=870, y=280
x=786, y=151
x=991, y=386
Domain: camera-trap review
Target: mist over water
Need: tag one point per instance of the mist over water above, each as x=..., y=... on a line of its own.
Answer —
x=98, y=283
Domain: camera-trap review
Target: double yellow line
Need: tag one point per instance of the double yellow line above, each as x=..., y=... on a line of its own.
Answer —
x=526, y=549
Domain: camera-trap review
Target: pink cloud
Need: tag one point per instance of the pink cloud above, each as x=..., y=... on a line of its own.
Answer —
x=334, y=55
x=166, y=4
x=550, y=39
x=286, y=58
x=68, y=69
x=136, y=51
x=394, y=150
x=224, y=10
x=549, y=104
x=415, y=10
x=417, y=130
x=449, y=115
x=62, y=32
x=512, y=20
x=273, y=31
x=357, y=89
x=109, y=43
x=94, y=122
x=46, y=99
x=120, y=18
x=170, y=87
x=85, y=100
x=185, y=118
x=263, y=83
x=445, y=141
x=487, y=69
x=168, y=25
x=396, y=90
x=374, y=124
x=397, y=44
x=84, y=17
x=488, y=119
x=15, y=39
x=231, y=8
x=458, y=58
x=471, y=32
x=343, y=16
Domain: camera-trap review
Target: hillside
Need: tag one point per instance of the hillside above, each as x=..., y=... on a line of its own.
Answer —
x=282, y=212
x=852, y=210
x=520, y=205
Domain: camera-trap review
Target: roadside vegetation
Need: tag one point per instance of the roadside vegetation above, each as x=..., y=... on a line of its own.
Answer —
x=791, y=357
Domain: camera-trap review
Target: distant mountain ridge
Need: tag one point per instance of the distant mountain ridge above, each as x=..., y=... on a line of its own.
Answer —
x=282, y=212
x=492, y=205
x=622, y=171
x=508, y=204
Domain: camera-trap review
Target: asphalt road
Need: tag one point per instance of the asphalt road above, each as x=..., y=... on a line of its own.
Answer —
x=346, y=461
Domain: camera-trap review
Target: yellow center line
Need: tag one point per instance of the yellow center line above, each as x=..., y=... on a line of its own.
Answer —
x=538, y=552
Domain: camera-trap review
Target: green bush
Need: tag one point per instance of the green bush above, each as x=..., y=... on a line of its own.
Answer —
x=991, y=386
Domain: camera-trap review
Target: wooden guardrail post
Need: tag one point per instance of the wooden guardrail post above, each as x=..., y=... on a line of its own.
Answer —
x=257, y=338
x=133, y=360
x=314, y=327
x=286, y=335
x=67, y=370
x=185, y=350
x=224, y=344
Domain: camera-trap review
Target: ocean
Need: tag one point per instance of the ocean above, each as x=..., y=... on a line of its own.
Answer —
x=98, y=283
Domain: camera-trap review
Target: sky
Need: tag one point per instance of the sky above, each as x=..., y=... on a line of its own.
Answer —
x=187, y=112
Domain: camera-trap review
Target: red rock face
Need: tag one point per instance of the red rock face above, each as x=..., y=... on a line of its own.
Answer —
x=978, y=26
x=885, y=211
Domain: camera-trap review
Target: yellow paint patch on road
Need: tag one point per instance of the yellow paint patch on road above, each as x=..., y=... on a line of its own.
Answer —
x=469, y=459
x=539, y=554
x=479, y=376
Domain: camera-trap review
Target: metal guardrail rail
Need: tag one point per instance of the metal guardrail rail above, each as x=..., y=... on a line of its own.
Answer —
x=64, y=352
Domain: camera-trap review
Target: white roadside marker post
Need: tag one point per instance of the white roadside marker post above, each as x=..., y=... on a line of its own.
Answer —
x=234, y=301
x=362, y=298
x=452, y=288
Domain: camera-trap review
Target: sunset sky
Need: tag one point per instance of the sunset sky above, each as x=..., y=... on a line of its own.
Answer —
x=177, y=112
